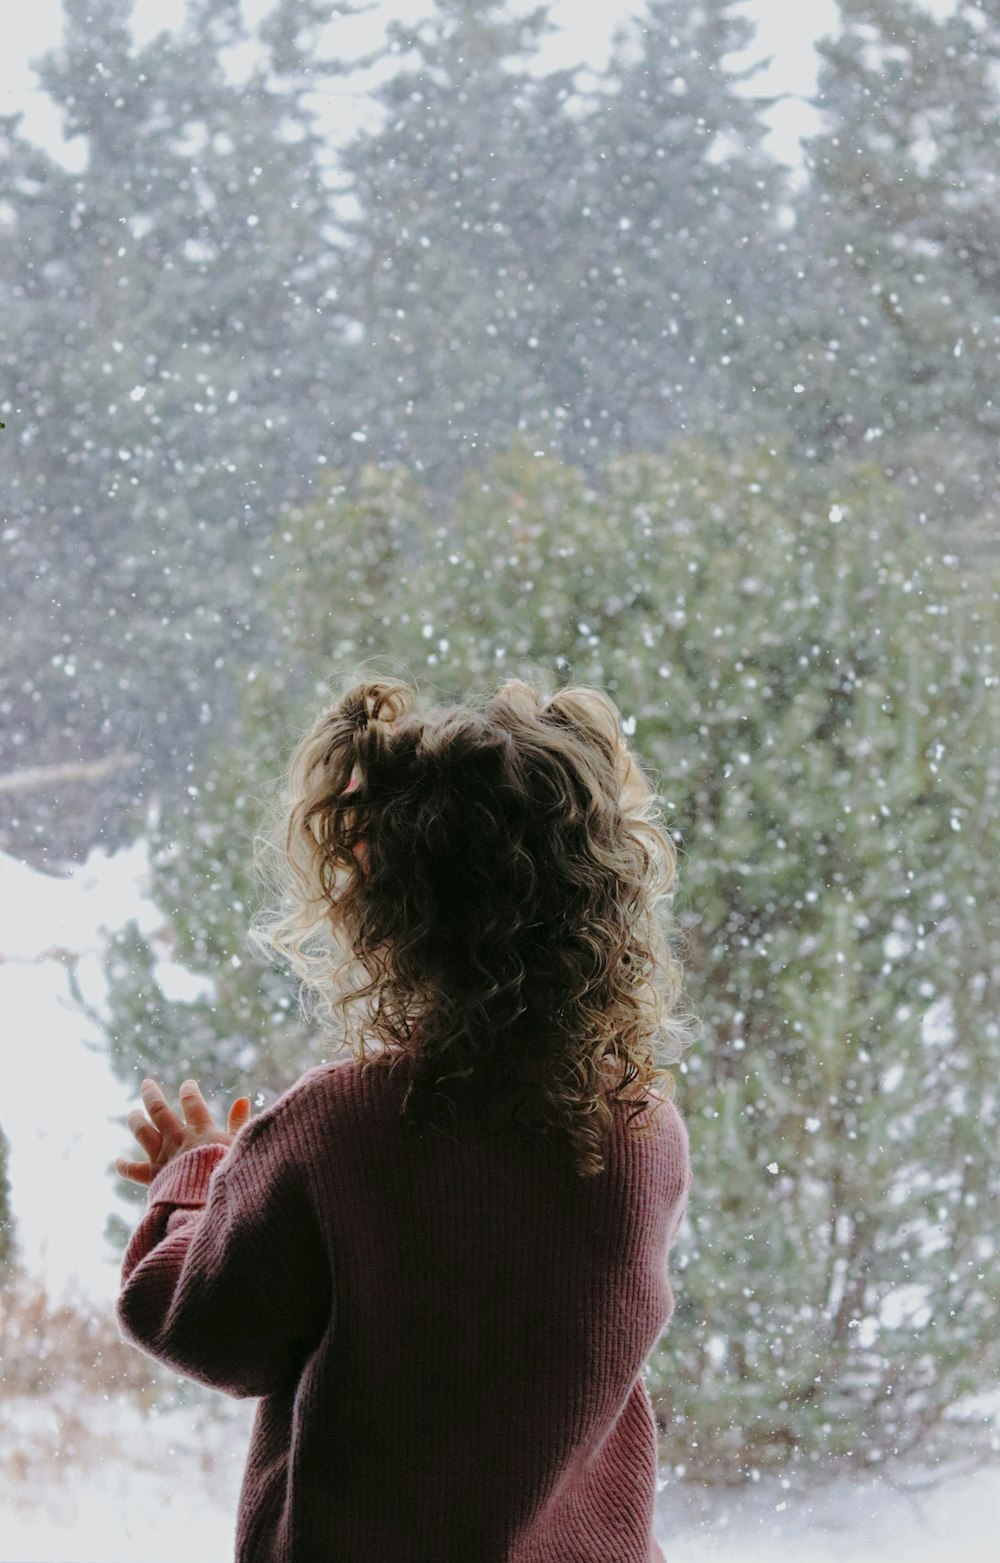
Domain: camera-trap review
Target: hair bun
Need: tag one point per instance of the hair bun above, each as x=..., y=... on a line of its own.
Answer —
x=357, y=712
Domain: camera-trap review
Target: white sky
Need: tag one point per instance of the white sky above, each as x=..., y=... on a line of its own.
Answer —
x=785, y=30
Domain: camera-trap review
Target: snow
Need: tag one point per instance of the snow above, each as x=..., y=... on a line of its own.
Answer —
x=141, y=1489
x=84, y=1471
x=121, y=1486
x=786, y=35
x=60, y=1099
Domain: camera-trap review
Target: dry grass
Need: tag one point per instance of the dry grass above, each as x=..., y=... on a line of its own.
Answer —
x=42, y=1344
x=61, y=1365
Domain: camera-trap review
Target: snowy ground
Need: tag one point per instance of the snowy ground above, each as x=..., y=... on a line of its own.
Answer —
x=102, y=1483
x=864, y=1521
x=58, y=1099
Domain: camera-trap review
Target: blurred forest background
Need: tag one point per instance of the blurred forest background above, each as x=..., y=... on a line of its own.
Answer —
x=571, y=377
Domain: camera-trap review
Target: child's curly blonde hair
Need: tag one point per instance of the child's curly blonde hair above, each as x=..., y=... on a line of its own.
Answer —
x=495, y=870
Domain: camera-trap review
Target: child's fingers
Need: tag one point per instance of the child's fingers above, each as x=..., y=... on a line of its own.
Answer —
x=239, y=1112
x=159, y=1109
x=147, y=1134
x=196, y=1109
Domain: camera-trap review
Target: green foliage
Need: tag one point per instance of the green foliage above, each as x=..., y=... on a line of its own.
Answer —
x=683, y=201
x=220, y=304
x=822, y=713
x=892, y=334
x=8, y=1241
x=164, y=350
x=530, y=254
x=463, y=209
x=818, y=698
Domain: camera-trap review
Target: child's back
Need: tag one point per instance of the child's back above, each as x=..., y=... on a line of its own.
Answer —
x=447, y=1323
x=448, y=1334
x=477, y=1393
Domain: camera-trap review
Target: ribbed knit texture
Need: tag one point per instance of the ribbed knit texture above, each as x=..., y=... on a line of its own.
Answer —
x=447, y=1335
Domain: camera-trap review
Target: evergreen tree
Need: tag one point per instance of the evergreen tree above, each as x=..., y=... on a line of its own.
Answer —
x=894, y=338
x=526, y=255
x=826, y=711
x=172, y=364
x=683, y=244
x=461, y=204
x=819, y=700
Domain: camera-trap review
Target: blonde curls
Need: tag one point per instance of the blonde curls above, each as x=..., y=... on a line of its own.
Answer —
x=493, y=871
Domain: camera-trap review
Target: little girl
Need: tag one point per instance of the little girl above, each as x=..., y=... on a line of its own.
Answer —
x=446, y=1325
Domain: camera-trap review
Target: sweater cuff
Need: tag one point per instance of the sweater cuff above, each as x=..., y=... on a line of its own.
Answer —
x=186, y=1177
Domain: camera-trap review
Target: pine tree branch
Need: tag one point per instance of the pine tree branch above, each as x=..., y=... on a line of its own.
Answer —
x=34, y=778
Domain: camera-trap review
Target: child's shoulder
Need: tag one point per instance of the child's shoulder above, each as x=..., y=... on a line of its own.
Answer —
x=318, y=1083
x=670, y=1128
x=309, y=1089
x=661, y=1106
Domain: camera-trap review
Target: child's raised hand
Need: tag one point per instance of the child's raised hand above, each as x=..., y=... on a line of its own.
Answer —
x=167, y=1135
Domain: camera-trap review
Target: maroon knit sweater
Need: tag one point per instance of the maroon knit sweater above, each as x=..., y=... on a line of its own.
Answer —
x=447, y=1335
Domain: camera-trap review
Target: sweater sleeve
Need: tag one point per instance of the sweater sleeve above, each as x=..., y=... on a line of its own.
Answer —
x=225, y=1278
